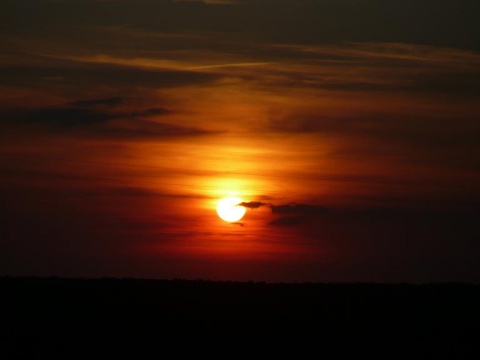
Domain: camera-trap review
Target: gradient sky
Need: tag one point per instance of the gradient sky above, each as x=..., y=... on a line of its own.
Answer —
x=350, y=128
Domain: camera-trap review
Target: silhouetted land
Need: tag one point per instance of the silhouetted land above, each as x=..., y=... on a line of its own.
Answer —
x=107, y=317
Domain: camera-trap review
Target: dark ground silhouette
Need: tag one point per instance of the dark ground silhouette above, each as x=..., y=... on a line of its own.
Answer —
x=153, y=318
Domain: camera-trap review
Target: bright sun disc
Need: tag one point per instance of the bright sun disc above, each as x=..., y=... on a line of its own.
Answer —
x=228, y=209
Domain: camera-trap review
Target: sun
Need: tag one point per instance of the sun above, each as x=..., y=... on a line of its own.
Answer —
x=228, y=209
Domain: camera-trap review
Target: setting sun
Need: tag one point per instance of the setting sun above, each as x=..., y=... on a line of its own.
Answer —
x=228, y=209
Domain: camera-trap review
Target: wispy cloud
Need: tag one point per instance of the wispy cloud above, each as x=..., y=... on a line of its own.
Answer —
x=298, y=209
x=109, y=102
x=213, y=2
x=286, y=209
x=288, y=214
x=160, y=64
x=253, y=204
x=100, y=117
x=66, y=117
x=372, y=51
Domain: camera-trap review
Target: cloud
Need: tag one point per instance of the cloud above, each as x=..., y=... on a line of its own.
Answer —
x=287, y=209
x=403, y=53
x=253, y=204
x=150, y=112
x=91, y=112
x=142, y=193
x=97, y=121
x=372, y=67
x=430, y=130
x=211, y=2
x=66, y=117
x=115, y=101
x=88, y=75
x=287, y=221
x=296, y=214
x=288, y=214
x=160, y=64
x=281, y=21
x=146, y=129
x=108, y=102
x=298, y=209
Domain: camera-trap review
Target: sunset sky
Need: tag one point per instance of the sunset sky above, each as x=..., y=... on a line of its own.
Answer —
x=349, y=128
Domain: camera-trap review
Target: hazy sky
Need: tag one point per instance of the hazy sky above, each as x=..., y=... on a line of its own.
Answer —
x=349, y=128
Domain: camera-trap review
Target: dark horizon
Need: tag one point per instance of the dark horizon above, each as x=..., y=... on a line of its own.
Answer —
x=143, y=318
x=187, y=281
